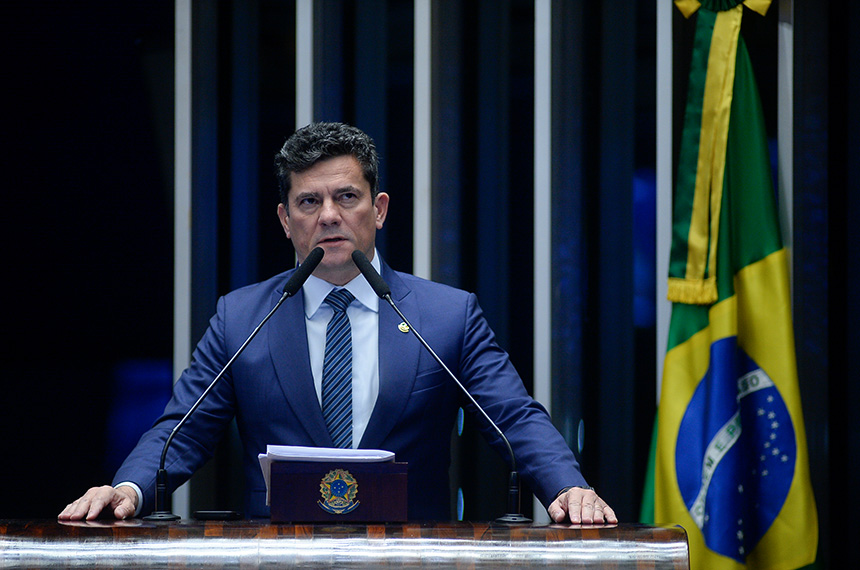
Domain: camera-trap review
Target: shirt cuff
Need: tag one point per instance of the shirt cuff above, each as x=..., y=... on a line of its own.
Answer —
x=136, y=490
x=566, y=489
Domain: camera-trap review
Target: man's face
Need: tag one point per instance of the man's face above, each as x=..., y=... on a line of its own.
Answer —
x=330, y=206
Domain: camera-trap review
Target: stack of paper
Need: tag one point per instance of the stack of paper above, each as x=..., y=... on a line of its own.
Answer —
x=328, y=454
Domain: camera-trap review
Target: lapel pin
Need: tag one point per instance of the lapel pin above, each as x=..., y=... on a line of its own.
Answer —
x=404, y=328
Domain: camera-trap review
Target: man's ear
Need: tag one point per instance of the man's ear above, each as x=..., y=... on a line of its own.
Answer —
x=284, y=218
x=381, y=206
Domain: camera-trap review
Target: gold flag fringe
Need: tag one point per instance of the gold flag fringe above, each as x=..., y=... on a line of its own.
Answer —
x=693, y=291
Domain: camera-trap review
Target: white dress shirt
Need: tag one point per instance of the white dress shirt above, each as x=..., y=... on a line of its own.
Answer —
x=363, y=316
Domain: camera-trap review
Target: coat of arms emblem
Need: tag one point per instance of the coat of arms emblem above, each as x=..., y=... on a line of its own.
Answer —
x=339, y=490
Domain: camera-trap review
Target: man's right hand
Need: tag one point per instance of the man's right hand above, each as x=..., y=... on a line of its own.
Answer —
x=122, y=501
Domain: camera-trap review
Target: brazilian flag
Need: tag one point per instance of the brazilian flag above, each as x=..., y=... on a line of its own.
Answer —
x=731, y=463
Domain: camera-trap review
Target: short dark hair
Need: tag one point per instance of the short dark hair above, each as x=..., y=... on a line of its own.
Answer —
x=319, y=141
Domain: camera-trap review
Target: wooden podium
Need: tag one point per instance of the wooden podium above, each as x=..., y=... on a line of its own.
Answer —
x=258, y=544
x=338, y=492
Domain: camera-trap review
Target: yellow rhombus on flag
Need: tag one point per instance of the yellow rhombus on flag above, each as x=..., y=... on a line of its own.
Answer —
x=731, y=462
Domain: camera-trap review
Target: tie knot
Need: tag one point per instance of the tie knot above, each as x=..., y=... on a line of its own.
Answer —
x=339, y=299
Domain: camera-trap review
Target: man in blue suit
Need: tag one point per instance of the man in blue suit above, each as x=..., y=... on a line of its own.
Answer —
x=401, y=398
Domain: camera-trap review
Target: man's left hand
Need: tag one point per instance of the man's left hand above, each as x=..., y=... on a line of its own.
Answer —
x=581, y=506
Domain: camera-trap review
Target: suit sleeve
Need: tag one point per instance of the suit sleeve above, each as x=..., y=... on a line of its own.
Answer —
x=195, y=443
x=543, y=458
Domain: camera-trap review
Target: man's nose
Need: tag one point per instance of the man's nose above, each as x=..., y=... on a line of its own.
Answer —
x=329, y=212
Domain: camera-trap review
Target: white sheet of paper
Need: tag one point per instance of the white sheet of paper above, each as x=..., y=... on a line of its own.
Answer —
x=323, y=454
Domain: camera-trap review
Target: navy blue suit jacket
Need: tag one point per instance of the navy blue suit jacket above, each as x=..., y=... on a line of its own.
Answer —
x=270, y=392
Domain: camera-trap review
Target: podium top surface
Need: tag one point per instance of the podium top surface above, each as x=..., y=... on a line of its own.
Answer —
x=259, y=544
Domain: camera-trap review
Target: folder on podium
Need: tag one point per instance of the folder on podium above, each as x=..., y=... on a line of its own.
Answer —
x=334, y=485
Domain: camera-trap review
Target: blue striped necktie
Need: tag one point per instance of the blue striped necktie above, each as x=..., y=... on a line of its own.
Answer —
x=337, y=371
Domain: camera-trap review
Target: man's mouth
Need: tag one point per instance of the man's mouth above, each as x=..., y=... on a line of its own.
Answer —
x=332, y=240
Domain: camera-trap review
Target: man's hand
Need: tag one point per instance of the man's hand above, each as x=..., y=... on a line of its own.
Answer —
x=581, y=506
x=122, y=500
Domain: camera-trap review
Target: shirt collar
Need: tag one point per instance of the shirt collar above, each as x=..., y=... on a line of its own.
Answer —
x=315, y=290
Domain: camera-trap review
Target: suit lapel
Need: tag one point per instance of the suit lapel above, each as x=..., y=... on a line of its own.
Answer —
x=288, y=346
x=398, y=361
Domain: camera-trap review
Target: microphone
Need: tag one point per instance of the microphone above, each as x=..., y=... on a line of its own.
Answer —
x=380, y=287
x=294, y=283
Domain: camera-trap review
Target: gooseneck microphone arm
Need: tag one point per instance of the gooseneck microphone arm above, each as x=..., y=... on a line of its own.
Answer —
x=380, y=287
x=294, y=283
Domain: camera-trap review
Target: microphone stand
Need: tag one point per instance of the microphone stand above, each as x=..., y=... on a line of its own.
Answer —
x=514, y=515
x=162, y=512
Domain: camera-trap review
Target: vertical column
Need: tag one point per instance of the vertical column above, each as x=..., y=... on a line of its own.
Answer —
x=663, y=143
x=182, y=210
x=304, y=62
x=542, y=213
x=785, y=121
x=422, y=202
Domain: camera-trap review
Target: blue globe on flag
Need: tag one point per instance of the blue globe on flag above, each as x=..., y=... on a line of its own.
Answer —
x=736, y=452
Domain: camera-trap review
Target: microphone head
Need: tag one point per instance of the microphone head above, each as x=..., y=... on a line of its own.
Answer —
x=297, y=279
x=380, y=287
